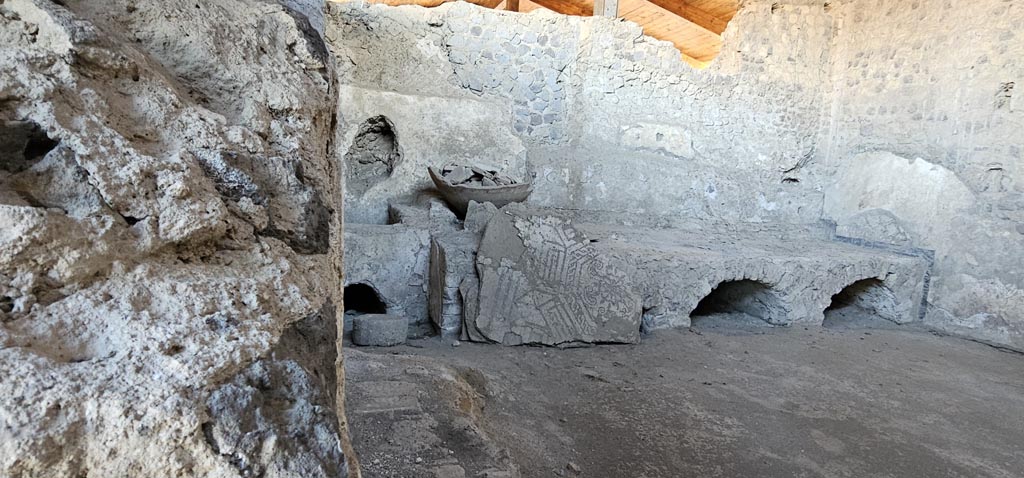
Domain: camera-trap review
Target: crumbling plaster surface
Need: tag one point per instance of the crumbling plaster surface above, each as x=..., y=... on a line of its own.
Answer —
x=154, y=261
x=929, y=129
x=583, y=94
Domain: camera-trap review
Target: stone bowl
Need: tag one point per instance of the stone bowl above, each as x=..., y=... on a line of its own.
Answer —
x=458, y=197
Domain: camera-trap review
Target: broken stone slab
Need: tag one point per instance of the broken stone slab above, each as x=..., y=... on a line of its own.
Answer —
x=458, y=175
x=379, y=330
x=452, y=259
x=478, y=215
x=543, y=282
x=292, y=389
x=408, y=215
x=348, y=324
x=468, y=290
x=433, y=215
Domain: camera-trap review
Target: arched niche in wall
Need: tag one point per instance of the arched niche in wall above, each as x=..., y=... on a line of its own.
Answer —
x=748, y=297
x=860, y=303
x=373, y=155
x=361, y=298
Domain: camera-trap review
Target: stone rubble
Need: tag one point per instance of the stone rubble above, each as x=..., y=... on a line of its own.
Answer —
x=475, y=177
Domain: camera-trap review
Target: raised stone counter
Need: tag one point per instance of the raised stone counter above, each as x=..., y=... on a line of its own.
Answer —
x=547, y=278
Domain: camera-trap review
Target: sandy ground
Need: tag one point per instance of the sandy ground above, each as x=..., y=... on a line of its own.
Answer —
x=727, y=398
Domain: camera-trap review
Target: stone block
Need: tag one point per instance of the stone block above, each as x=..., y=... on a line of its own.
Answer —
x=379, y=330
x=452, y=259
x=543, y=282
x=478, y=215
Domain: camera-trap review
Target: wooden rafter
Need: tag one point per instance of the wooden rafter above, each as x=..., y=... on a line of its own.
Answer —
x=434, y=3
x=700, y=17
x=568, y=7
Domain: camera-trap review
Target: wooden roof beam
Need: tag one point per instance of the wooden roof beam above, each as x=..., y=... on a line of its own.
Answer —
x=434, y=3
x=567, y=7
x=695, y=15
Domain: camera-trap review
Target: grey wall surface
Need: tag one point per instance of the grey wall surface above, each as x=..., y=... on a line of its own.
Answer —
x=581, y=95
x=838, y=110
x=927, y=125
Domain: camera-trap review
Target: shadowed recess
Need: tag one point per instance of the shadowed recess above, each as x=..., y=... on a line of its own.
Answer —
x=373, y=155
x=744, y=296
x=862, y=301
x=363, y=299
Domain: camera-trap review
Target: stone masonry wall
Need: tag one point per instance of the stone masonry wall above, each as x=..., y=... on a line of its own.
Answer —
x=582, y=94
x=925, y=143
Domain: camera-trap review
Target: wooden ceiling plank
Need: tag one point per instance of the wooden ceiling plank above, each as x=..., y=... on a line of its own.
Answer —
x=567, y=7
x=700, y=17
x=435, y=3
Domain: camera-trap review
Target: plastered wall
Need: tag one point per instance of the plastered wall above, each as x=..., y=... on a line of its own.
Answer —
x=899, y=120
x=924, y=141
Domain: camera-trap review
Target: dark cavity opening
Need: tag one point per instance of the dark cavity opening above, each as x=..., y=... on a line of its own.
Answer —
x=373, y=155
x=742, y=298
x=363, y=299
x=22, y=144
x=862, y=303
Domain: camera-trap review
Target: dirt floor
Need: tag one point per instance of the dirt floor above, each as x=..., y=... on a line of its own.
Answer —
x=726, y=398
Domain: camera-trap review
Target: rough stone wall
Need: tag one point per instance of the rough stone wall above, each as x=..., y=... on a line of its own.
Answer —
x=167, y=205
x=925, y=145
x=608, y=119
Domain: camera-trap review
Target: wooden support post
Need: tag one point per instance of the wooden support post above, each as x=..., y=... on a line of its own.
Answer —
x=606, y=8
x=512, y=5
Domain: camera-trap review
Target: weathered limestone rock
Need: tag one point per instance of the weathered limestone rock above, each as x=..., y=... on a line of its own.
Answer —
x=379, y=330
x=541, y=281
x=301, y=439
x=166, y=208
